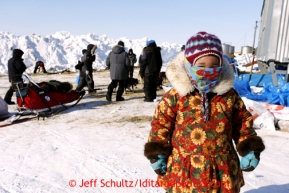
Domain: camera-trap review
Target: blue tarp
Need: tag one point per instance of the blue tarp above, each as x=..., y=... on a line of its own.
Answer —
x=258, y=80
x=244, y=90
x=271, y=94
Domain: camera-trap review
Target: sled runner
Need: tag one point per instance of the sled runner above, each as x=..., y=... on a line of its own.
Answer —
x=15, y=118
x=44, y=99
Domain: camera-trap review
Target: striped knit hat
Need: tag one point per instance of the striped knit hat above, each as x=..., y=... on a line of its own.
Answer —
x=202, y=44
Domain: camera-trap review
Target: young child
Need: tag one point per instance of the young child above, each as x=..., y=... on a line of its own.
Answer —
x=190, y=144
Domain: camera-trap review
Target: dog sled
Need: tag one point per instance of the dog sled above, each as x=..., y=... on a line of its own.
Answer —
x=43, y=99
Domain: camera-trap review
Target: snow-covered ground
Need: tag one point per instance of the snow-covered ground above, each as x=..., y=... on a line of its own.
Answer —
x=97, y=145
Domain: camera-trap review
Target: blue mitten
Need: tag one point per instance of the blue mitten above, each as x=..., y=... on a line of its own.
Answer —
x=160, y=166
x=250, y=161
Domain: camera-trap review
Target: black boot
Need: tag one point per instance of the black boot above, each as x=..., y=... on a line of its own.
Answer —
x=120, y=91
x=10, y=102
x=8, y=96
x=119, y=98
x=108, y=97
x=109, y=93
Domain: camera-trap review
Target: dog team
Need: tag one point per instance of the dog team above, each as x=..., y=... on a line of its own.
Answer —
x=121, y=67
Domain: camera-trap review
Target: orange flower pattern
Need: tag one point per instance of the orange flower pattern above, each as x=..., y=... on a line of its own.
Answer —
x=203, y=158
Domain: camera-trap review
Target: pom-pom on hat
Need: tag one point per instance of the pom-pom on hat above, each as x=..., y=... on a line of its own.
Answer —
x=203, y=44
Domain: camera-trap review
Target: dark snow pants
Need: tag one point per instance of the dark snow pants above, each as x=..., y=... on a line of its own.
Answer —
x=86, y=80
x=9, y=95
x=130, y=71
x=150, y=86
x=113, y=85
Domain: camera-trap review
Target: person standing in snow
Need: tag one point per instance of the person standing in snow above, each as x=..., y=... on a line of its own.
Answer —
x=79, y=65
x=132, y=61
x=151, y=63
x=86, y=76
x=16, y=67
x=117, y=63
x=141, y=68
x=190, y=145
x=82, y=59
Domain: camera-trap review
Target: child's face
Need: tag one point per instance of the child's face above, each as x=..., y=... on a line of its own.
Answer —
x=208, y=62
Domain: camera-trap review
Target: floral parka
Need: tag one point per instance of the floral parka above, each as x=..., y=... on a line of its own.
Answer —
x=203, y=156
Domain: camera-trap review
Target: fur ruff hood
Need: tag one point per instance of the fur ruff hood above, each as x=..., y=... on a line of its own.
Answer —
x=178, y=77
x=117, y=49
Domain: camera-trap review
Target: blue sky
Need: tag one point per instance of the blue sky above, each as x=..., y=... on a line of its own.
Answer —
x=233, y=21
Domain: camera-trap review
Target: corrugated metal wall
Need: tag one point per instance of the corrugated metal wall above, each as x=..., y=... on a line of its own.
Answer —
x=273, y=41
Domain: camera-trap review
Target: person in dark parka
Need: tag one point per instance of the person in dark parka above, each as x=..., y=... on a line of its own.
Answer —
x=117, y=62
x=16, y=67
x=86, y=77
x=132, y=61
x=141, y=68
x=151, y=62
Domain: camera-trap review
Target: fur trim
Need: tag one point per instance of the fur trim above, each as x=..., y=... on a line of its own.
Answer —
x=227, y=80
x=254, y=143
x=178, y=77
x=93, y=49
x=155, y=148
x=117, y=46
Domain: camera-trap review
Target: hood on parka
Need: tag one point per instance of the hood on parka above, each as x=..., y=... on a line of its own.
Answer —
x=17, y=53
x=179, y=78
x=117, y=49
